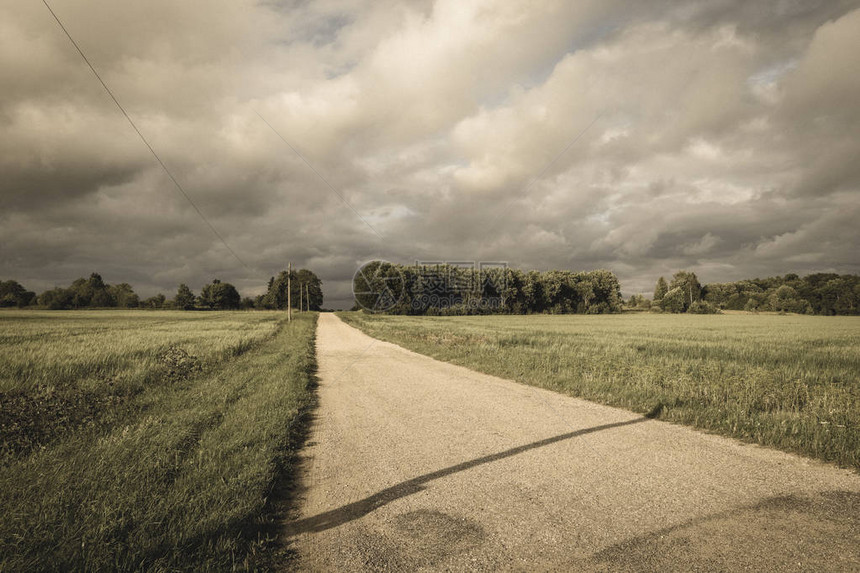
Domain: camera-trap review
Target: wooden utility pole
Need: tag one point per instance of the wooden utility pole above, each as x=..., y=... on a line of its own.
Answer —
x=289, y=292
x=301, y=294
x=308, y=297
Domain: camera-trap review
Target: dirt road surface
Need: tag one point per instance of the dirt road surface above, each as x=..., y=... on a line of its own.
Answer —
x=415, y=464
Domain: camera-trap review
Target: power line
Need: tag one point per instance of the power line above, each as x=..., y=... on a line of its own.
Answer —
x=142, y=138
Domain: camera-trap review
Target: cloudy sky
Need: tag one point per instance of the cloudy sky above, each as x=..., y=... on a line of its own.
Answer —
x=720, y=136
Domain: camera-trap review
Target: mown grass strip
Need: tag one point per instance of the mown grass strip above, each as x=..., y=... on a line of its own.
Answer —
x=789, y=382
x=182, y=486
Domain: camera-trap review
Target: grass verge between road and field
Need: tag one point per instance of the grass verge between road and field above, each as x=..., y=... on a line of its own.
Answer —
x=190, y=420
x=789, y=382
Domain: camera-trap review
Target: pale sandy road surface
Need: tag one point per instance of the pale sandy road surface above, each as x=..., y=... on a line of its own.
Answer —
x=415, y=464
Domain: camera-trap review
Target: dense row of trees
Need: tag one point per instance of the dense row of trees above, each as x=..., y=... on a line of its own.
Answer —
x=90, y=293
x=820, y=293
x=450, y=290
x=217, y=295
x=444, y=289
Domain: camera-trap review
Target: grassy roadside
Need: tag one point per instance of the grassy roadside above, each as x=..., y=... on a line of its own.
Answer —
x=180, y=481
x=789, y=382
x=64, y=371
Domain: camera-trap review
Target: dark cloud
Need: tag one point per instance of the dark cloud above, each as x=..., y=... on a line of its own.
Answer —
x=717, y=136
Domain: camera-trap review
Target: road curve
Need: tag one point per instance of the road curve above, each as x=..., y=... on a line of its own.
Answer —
x=415, y=464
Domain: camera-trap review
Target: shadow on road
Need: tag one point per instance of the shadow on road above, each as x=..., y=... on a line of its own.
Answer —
x=358, y=509
x=811, y=532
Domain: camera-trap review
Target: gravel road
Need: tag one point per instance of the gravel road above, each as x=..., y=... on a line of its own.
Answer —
x=415, y=464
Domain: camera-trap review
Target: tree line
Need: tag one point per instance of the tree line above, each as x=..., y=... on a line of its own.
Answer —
x=93, y=292
x=455, y=290
x=826, y=294
x=449, y=289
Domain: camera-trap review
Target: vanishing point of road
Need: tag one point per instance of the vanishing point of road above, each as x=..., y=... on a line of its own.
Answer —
x=417, y=465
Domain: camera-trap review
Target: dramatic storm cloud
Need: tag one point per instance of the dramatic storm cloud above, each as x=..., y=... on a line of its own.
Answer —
x=719, y=137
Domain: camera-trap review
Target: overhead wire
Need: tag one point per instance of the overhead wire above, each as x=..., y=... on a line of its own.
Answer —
x=145, y=141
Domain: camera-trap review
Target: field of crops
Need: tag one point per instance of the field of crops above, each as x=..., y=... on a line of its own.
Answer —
x=790, y=382
x=146, y=440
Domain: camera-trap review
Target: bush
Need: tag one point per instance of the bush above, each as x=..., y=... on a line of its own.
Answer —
x=702, y=307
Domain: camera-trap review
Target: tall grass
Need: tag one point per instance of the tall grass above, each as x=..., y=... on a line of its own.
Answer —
x=181, y=480
x=790, y=382
x=88, y=348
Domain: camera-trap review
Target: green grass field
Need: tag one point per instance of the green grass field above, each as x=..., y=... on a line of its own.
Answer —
x=146, y=440
x=790, y=382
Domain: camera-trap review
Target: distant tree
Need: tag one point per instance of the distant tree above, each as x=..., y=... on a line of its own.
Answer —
x=91, y=292
x=13, y=294
x=533, y=292
x=606, y=289
x=783, y=299
x=226, y=296
x=689, y=284
x=719, y=295
x=247, y=303
x=276, y=297
x=814, y=289
x=123, y=296
x=82, y=294
x=56, y=299
x=205, y=299
x=184, y=299
x=156, y=301
x=674, y=300
x=106, y=296
x=311, y=283
x=220, y=296
x=660, y=290
x=835, y=297
x=638, y=301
